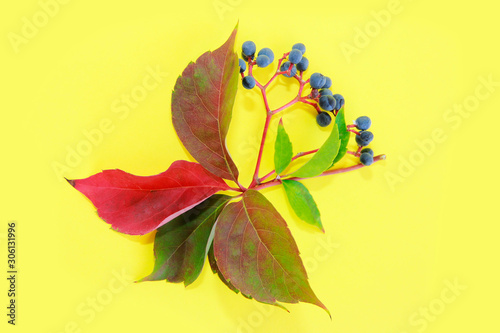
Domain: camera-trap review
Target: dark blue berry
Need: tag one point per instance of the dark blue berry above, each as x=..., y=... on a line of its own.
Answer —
x=243, y=65
x=363, y=123
x=328, y=82
x=299, y=46
x=364, y=138
x=340, y=101
x=303, y=64
x=323, y=119
x=368, y=151
x=262, y=61
x=267, y=52
x=295, y=56
x=366, y=159
x=327, y=102
x=285, y=66
x=248, y=82
x=249, y=48
x=325, y=91
x=317, y=80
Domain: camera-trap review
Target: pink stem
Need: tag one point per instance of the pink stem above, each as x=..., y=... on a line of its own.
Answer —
x=261, y=149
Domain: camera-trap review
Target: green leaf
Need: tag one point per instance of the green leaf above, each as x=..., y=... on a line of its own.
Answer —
x=202, y=106
x=302, y=202
x=344, y=135
x=256, y=252
x=181, y=245
x=283, y=151
x=323, y=158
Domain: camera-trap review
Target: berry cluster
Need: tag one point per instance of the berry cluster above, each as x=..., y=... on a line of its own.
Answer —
x=292, y=65
x=363, y=139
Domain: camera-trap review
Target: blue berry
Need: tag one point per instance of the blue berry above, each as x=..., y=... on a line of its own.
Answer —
x=328, y=82
x=303, y=64
x=366, y=159
x=299, y=46
x=368, y=151
x=243, y=65
x=363, y=123
x=248, y=82
x=340, y=101
x=284, y=67
x=249, y=48
x=327, y=102
x=263, y=61
x=295, y=56
x=325, y=91
x=364, y=138
x=267, y=52
x=317, y=80
x=323, y=119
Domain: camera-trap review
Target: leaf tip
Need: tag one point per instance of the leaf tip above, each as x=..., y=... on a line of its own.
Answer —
x=72, y=182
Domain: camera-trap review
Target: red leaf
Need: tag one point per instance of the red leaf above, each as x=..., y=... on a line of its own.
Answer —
x=256, y=252
x=137, y=205
x=202, y=104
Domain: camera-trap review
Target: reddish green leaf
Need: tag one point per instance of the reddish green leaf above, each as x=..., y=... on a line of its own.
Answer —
x=181, y=245
x=137, y=205
x=202, y=104
x=215, y=269
x=302, y=202
x=256, y=252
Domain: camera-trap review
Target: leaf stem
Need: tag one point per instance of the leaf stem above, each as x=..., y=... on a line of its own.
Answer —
x=261, y=149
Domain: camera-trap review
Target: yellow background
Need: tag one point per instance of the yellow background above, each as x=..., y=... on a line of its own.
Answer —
x=397, y=233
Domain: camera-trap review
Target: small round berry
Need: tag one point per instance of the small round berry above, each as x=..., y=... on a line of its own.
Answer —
x=248, y=82
x=328, y=82
x=317, y=80
x=363, y=123
x=303, y=64
x=243, y=65
x=366, y=159
x=327, y=102
x=323, y=119
x=262, y=61
x=248, y=48
x=285, y=66
x=340, y=101
x=295, y=56
x=299, y=46
x=364, y=138
x=267, y=52
x=325, y=91
x=368, y=151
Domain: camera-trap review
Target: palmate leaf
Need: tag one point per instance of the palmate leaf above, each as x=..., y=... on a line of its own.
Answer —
x=322, y=159
x=283, y=151
x=256, y=252
x=181, y=245
x=302, y=202
x=202, y=104
x=137, y=205
x=344, y=135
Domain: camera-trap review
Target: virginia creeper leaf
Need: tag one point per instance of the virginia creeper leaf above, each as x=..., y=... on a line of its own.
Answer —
x=283, y=151
x=256, y=252
x=137, y=205
x=181, y=245
x=302, y=202
x=202, y=104
x=215, y=269
x=322, y=159
x=343, y=135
